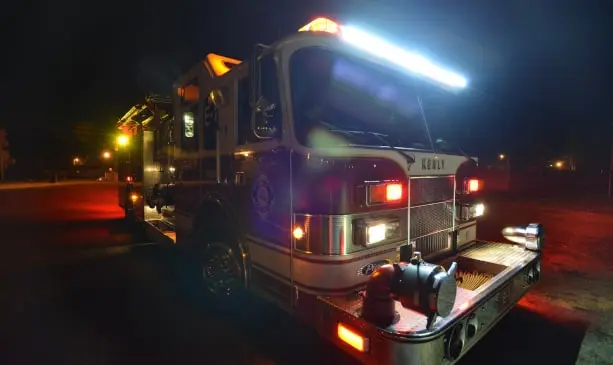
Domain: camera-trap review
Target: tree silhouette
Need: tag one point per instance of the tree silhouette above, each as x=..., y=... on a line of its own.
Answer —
x=5, y=156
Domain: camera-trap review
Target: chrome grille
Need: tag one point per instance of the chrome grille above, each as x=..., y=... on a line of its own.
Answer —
x=431, y=218
x=431, y=203
x=424, y=190
x=433, y=243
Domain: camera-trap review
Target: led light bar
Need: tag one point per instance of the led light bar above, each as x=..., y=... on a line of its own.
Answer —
x=413, y=62
x=410, y=61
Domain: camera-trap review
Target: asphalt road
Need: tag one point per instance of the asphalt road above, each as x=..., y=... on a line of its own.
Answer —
x=77, y=288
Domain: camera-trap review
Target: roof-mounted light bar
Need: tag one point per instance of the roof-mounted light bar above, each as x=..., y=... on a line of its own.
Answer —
x=411, y=61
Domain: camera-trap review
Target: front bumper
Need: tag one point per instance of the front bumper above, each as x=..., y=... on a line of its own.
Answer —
x=512, y=271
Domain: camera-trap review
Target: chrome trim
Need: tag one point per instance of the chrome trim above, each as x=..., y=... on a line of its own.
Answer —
x=318, y=274
x=446, y=230
x=292, y=247
x=332, y=235
x=483, y=295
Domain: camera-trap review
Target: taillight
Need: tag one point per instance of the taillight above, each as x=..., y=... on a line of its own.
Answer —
x=385, y=193
x=472, y=186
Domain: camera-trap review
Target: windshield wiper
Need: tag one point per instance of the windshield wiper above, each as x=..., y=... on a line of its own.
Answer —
x=450, y=148
x=383, y=138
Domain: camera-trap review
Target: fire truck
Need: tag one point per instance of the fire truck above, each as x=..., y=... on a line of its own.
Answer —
x=307, y=176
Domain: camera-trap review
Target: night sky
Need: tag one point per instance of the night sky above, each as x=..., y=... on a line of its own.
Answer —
x=540, y=71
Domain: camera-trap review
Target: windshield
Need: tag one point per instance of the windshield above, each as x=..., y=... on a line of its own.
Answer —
x=341, y=100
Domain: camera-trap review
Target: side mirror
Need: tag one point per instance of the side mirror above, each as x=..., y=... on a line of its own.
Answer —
x=264, y=112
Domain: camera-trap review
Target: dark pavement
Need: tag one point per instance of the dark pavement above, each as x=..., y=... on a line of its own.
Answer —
x=77, y=288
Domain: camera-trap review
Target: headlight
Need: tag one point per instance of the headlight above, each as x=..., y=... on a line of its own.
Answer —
x=369, y=233
x=375, y=233
x=478, y=210
x=382, y=231
x=471, y=211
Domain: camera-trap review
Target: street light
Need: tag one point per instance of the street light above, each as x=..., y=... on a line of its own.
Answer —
x=559, y=164
x=106, y=155
x=501, y=156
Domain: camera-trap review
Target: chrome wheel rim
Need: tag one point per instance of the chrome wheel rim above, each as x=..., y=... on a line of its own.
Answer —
x=220, y=271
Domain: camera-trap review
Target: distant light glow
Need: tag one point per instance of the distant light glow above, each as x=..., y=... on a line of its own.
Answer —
x=413, y=62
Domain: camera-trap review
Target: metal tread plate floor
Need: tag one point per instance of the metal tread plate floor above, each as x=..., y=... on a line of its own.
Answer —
x=505, y=254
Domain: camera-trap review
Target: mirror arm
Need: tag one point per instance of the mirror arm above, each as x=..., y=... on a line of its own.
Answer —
x=256, y=88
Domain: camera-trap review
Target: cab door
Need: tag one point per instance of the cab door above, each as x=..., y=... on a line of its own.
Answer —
x=187, y=137
x=261, y=171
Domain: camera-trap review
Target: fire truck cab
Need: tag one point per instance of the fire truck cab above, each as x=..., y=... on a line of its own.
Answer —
x=307, y=176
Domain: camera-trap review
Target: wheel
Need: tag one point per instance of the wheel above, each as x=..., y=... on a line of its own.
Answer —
x=222, y=272
x=217, y=261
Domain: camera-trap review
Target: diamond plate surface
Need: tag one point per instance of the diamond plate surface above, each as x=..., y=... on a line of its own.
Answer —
x=499, y=253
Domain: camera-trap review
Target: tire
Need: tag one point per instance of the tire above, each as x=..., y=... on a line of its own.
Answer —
x=221, y=272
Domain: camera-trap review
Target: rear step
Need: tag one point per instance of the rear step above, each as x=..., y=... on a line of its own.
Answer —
x=162, y=231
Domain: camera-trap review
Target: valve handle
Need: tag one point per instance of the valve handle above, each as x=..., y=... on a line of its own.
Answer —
x=452, y=269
